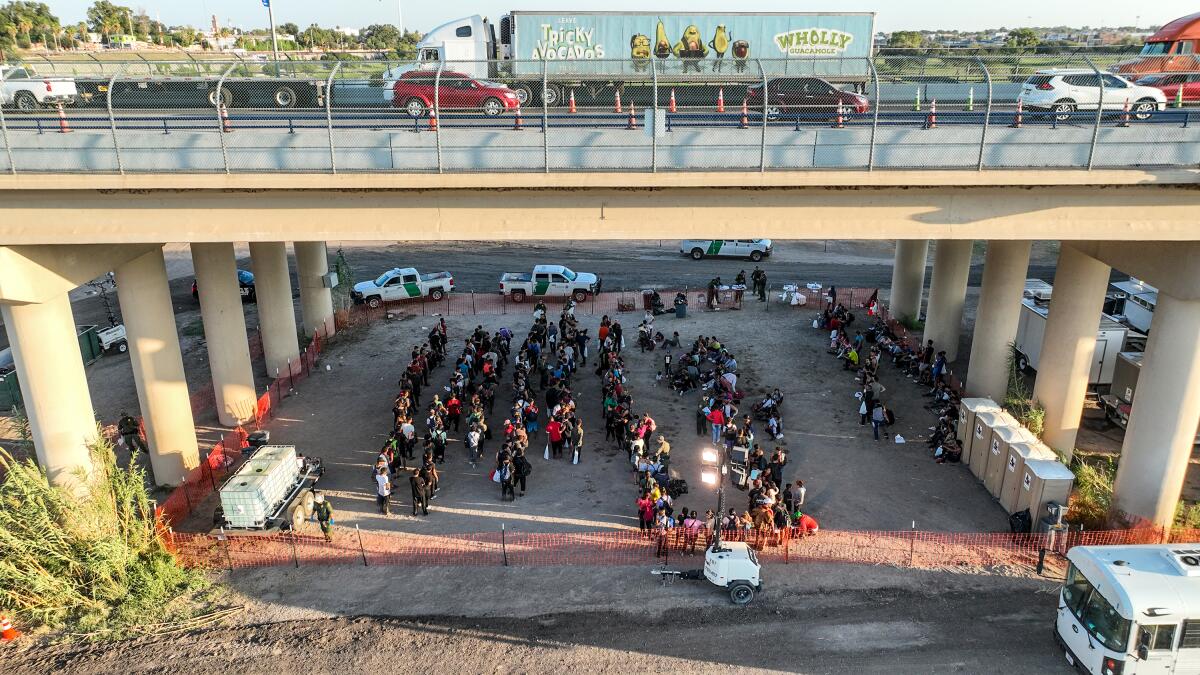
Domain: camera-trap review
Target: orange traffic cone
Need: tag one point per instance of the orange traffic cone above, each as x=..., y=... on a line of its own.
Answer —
x=433, y=122
x=840, y=122
x=745, y=114
x=671, y=104
x=1124, y=115
x=225, y=125
x=64, y=127
x=931, y=119
x=517, y=119
x=721, y=100
x=632, y=119
x=7, y=631
x=617, y=104
x=1017, y=118
x=572, y=109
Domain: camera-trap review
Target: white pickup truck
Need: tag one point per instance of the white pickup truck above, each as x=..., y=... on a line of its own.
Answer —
x=549, y=281
x=23, y=90
x=402, y=283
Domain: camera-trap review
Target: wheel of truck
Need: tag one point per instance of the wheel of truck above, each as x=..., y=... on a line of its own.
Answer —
x=437, y=294
x=1022, y=363
x=518, y=296
x=26, y=101
x=122, y=347
x=741, y=593
x=492, y=107
x=697, y=253
x=552, y=95
x=296, y=516
x=285, y=97
x=226, y=97
x=374, y=302
x=415, y=107
x=308, y=502
x=755, y=256
x=524, y=93
x=579, y=296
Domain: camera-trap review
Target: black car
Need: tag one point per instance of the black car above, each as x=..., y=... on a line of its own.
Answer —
x=245, y=286
x=799, y=95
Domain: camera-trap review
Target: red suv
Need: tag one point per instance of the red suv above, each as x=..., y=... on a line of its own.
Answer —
x=790, y=95
x=414, y=92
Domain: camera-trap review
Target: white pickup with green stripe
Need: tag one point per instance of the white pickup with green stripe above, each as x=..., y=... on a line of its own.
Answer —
x=549, y=281
x=754, y=249
x=403, y=283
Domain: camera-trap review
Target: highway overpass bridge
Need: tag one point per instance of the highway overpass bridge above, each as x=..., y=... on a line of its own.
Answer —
x=60, y=229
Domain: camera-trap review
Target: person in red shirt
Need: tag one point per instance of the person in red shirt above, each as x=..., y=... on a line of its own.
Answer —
x=806, y=524
x=453, y=411
x=717, y=417
x=554, y=430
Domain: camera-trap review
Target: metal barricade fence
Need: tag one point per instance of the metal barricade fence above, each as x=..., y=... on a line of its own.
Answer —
x=889, y=111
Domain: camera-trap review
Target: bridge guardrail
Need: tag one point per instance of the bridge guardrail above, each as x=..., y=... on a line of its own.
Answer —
x=887, y=112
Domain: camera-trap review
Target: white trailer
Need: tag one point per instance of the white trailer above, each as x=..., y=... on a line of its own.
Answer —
x=1118, y=402
x=1131, y=610
x=1140, y=299
x=1112, y=338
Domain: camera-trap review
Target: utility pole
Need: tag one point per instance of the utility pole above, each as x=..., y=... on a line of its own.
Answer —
x=400, y=17
x=274, y=39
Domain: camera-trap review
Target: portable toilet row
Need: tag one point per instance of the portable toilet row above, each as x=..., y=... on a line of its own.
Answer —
x=969, y=408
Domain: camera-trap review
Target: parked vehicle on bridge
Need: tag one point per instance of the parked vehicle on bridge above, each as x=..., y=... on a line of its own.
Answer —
x=402, y=283
x=1063, y=91
x=754, y=249
x=245, y=286
x=1174, y=48
x=545, y=57
x=417, y=91
x=802, y=95
x=549, y=281
x=1171, y=84
x=1131, y=610
x=26, y=91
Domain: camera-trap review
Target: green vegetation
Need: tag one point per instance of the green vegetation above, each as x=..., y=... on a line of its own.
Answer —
x=93, y=559
x=345, y=275
x=913, y=323
x=1018, y=400
x=1092, y=496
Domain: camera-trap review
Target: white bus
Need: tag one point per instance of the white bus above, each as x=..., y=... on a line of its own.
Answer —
x=1131, y=610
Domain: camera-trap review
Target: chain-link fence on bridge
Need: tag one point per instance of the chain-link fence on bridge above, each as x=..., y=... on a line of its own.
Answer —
x=891, y=111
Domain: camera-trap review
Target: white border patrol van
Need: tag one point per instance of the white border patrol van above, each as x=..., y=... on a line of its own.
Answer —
x=754, y=249
x=1131, y=610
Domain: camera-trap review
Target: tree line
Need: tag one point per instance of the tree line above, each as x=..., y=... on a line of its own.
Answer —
x=24, y=25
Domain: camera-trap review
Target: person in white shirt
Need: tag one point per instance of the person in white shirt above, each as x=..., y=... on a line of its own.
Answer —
x=383, y=490
x=472, y=441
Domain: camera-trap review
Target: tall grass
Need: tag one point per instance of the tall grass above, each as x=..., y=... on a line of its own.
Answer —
x=1018, y=400
x=85, y=559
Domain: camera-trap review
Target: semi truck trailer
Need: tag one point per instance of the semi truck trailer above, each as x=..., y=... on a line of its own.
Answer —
x=548, y=56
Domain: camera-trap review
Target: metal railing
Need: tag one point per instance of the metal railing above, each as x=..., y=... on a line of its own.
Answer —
x=633, y=115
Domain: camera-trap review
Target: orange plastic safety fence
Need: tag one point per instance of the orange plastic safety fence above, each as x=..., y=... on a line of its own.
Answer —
x=925, y=550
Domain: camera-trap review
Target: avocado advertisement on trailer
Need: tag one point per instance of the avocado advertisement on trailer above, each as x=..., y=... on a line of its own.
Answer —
x=697, y=43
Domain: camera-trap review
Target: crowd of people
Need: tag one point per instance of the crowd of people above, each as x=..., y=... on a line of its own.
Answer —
x=862, y=350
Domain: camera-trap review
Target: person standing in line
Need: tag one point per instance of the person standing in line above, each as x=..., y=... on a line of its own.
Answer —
x=577, y=439
x=383, y=489
x=877, y=419
x=554, y=431
x=472, y=442
x=716, y=417
x=522, y=469
x=420, y=493
x=711, y=296
x=507, y=474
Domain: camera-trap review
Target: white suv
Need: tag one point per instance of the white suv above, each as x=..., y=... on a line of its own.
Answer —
x=1065, y=91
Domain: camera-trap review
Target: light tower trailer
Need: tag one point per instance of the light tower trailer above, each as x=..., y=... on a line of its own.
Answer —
x=732, y=566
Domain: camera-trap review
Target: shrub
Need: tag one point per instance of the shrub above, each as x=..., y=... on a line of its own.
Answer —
x=1092, y=496
x=89, y=558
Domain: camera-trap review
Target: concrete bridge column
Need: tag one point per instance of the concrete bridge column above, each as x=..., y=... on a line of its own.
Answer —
x=276, y=312
x=947, y=293
x=1166, y=412
x=1004, y=270
x=316, y=301
x=908, y=278
x=1069, y=345
x=58, y=403
x=225, y=332
x=158, y=366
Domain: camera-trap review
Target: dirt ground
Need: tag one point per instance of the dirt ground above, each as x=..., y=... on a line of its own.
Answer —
x=809, y=619
x=343, y=415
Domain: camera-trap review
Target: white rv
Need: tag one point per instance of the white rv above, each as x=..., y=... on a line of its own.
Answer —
x=1140, y=299
x=1131, y=610
x=1112, y=338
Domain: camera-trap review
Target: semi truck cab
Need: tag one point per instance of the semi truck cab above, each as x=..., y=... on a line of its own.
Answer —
x=463, y=45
